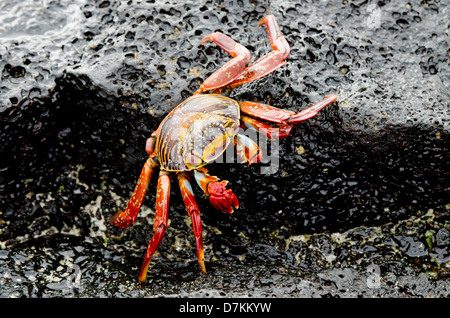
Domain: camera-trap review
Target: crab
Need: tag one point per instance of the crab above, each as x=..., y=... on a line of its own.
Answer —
x=199, y=130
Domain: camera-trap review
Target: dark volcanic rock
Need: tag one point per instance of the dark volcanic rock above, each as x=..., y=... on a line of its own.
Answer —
x=83, y=84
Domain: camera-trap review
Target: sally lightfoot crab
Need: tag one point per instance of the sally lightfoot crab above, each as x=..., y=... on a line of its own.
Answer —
x=198, y=131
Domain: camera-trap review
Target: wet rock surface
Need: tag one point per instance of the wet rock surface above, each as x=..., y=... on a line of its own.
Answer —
x=357, y=206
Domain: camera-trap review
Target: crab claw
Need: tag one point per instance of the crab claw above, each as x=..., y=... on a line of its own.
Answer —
x=221, y=198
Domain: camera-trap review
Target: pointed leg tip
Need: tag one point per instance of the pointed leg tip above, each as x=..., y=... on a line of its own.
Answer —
x=202, y=267
x=142, y=279
x=143, y=274
x=205, y=40
x=144, y=270
x=331, y=97
x=121, y=219
x=264, y=19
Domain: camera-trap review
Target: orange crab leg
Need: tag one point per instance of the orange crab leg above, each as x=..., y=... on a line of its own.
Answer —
x=269, y=62
x=247, y=149
x=266, y=112
x=194, y=213
x=161, y=219
x=282, y=116
x=312, y=110
x=280, y=131
x=123, y=219
x=232, y=69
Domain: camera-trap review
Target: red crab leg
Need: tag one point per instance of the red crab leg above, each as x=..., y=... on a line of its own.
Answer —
x=123, y=219
x=220, y=197
x=161, y=218
x=247, y=149
x=311, y=111
x=280, y=131
x=269, y=62
x=283, y=116
x=231, y=70
x=194, y=213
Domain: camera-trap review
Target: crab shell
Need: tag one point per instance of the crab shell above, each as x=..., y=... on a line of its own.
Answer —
x=196, y=132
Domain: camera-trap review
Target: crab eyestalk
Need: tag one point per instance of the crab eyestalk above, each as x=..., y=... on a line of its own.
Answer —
x=220, y=197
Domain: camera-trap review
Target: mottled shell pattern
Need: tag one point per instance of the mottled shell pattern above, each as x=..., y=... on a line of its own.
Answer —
x=197, y=131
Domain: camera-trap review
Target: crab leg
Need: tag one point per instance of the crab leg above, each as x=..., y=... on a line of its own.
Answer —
x=247, y=149
x=220, y=197
x=311, y=111
x=161, y=218
x=123, y=219
x=269, y=62
x=232, y=69
x=280, y=131
x=194, y=213
x=284, y=118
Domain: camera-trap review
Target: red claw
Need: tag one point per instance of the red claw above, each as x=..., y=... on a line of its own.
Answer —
x=221, y=198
